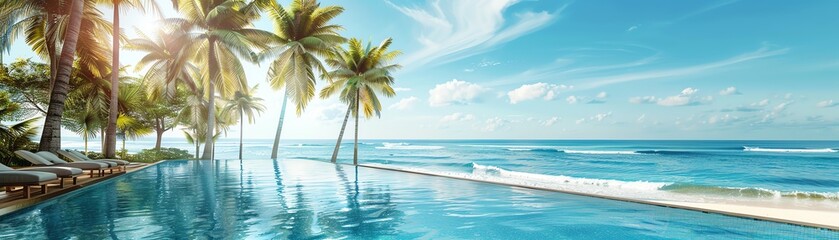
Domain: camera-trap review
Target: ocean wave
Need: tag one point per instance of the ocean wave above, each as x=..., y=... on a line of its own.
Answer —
x=533, y=149
x=561, y=179
x=669, y=152
x=647, y=186
x=598, y=152
x=790, y=150
x=407, y=146
x=746, y=192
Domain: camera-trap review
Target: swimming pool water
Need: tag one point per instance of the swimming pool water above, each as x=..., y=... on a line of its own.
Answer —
x=302, y=199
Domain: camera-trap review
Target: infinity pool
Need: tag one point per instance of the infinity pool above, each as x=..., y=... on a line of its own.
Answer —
x=301, y=199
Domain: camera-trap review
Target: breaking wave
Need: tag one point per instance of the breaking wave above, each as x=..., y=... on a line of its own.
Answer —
x=789, y=150
x=407, y=146
x=581, y=184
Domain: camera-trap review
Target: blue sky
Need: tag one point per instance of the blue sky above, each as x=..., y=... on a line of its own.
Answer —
x=584, y=70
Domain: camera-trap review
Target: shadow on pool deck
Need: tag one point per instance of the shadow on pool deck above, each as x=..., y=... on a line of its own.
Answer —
x=13, y=201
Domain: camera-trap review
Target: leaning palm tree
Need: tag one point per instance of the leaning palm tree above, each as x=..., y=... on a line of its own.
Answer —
x=243, y=104
x=220, y=31
x=360, y=73
x=304, y=33
x=113, y=110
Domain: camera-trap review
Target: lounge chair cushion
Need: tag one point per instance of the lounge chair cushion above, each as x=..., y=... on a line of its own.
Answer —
x=51, y=157
x=62, y=172
x=85, y=165
x=17, y=178
x=33, y=158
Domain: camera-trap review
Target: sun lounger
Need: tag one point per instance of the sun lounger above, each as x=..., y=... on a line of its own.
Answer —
x=62, y=172
x=26, y=180
x=40, y=160
x=80, y=157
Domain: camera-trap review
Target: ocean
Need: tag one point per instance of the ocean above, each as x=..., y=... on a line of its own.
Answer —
x=799, y=173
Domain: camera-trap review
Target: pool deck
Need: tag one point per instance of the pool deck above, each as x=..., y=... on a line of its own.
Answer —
x=801, y=217
x=13, y=201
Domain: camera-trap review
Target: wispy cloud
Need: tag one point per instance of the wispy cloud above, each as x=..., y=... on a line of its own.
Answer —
x=702, y=10
x=452, y=30
x=595, y=82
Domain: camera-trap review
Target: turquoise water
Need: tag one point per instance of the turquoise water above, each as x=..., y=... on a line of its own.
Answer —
x=801, y=173
x=301, y=199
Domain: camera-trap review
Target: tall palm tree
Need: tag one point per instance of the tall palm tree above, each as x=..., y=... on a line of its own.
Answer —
x=240, y=105
x=304, y=33
x=51, y=135
x=360, y=73
x=221, y=29
x=113, y=110
x=52, y=29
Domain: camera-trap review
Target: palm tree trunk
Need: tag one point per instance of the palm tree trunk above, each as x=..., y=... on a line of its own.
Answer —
x=211, y=101
x=276, y=147
x=355, y=146
x=111, y=131
x=51, y=135
x=85, y=143
x=241, y=128
x=341, y=135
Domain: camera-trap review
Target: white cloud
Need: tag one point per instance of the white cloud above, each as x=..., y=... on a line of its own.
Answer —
x=333, y=112
x=596, y=118
x=534, y=91
x=827, y=104
x=602, y=95
x=495, y=123
x=643, y=100
x=601, y=116
x=452, y=30
x=488, y=63
x=754, y=107
x=632, y=28
x=687, y=97
x=642, y=118
x=401, y=89
x=571, y=99
x=722, y=119
x=405, y=103
x=457, y=117
x=469, y=70
x=550, y=122
x=454, y=92
x=599, y=98
x=595, y=82
x=729, y=91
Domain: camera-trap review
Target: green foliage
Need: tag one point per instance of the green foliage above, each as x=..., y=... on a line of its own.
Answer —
x=14, y=136
x=27, y=83
x=152, y=155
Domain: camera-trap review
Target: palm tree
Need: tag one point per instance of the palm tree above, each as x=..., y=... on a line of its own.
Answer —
x=304, y=33
x=85, y=122
x=51, y=135
x=220, y=28
x=167, y=61
x=243, y=104
x=113, y=110
x=359, y=74
x=51, y=34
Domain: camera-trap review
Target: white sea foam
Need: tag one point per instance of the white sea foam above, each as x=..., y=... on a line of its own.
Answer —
x=600, y=152
x=789, y=150
x=566, y=180
x=407, y=146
